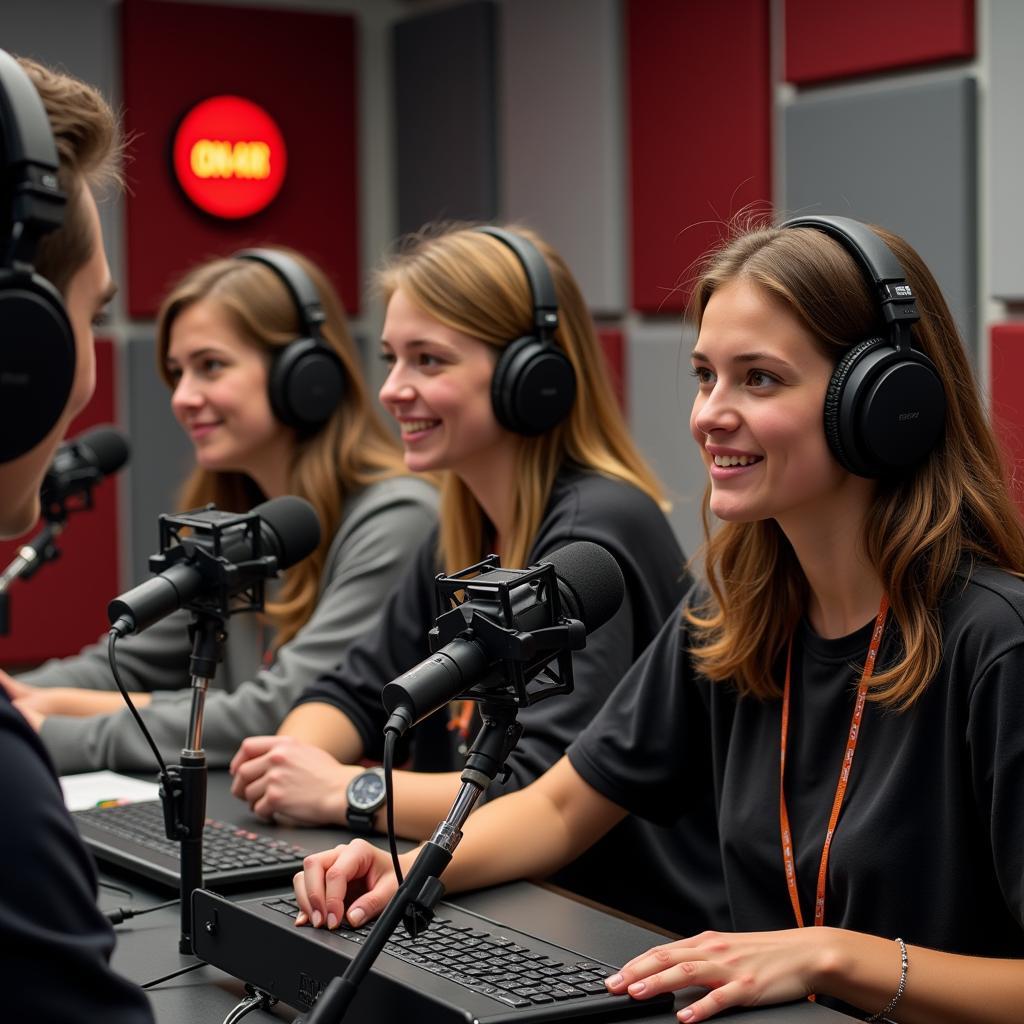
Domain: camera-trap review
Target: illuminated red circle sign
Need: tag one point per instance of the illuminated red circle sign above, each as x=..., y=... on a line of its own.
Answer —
x=229, y=157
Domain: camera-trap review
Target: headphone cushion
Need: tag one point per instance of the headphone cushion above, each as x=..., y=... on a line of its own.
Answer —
x=843, y=446
x=38, y=364
x=533, y=387
x=306, y=384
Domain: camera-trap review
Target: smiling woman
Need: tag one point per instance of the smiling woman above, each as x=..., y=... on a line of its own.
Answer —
x=274, y=403
x=762, y=378
x=485, y=332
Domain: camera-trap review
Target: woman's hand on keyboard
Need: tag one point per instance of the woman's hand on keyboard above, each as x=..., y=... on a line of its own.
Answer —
x=352, y=882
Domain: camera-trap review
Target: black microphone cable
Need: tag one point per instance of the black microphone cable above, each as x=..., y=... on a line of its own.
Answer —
x=390, y=742
x=112, y=638
x=126, y=913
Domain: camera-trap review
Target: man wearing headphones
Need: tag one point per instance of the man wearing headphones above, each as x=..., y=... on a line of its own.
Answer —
x=59, y=141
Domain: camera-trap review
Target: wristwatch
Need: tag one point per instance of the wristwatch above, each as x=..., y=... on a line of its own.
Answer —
x=365, y=796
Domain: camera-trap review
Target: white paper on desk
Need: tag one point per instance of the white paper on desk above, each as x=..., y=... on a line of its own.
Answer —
x=90, y=788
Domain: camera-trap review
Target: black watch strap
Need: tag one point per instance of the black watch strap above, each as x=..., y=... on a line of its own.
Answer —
x=361, y=821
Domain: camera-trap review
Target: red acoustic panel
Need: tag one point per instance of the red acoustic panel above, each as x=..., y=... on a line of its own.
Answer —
x=844, y=38
x=1006, y=366
x=699, y=100
x=301, y=69
x=63, y=606
x=613, y=344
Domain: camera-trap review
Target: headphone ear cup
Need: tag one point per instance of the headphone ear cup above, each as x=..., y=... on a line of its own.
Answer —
x=533, y=387
x=37, y=365
x=306, y=384
x=884, y=409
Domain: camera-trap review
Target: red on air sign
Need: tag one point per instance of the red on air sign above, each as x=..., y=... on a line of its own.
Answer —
x=229, y=157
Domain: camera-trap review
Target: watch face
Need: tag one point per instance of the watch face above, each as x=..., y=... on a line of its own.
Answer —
x=366, y=791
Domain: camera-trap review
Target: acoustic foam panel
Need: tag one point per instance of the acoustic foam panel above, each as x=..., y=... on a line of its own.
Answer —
x=842, y=158
x=843, y=38
x=298, y=66
x=445, y=69
x=699, y=102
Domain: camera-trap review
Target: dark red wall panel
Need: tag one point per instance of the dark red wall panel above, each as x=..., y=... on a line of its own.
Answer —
x=699, y=85
x=613, y=344
x=63, y=606
x=843, y=38
x=1006, y=364
x=301, y=68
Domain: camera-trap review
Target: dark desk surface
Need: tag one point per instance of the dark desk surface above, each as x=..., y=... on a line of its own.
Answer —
x=147, y=946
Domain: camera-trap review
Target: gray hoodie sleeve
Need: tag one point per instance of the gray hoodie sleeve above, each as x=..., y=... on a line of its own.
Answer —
x=383, y=526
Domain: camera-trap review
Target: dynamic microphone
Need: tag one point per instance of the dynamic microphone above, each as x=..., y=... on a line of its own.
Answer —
x=80, y=464
x=508, y=632
x=223, y=555
x=76, y=468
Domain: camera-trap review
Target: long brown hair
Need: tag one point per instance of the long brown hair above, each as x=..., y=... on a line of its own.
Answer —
x=475, y=284
x=350, y=451
x=921, y=524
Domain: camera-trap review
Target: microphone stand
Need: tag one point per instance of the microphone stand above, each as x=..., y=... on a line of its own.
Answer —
x=183, y=788
x=419, y=893
x=40, y=549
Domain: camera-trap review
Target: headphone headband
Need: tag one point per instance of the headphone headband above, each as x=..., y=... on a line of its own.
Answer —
x=30, y=162
x=885, y=404
x=538, y=276
x=879, y=265
x=303, y=292
x=306, y=380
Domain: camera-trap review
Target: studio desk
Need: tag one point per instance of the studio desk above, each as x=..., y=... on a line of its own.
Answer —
x=147, y=946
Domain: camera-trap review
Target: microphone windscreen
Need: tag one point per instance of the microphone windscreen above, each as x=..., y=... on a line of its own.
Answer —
x=106, y=446
x=294, y=528
x=594, y=586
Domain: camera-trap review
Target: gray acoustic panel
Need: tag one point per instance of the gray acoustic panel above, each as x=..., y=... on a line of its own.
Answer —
x=446, y=115
x=1005, y=158
x=903, y=157
x=161, y=453
x=80, y=37
x=660, y=393
x=562, y=135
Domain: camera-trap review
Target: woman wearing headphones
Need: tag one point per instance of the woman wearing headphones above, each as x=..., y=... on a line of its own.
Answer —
x=474, y=318
x=268, y=415
x=861, y=640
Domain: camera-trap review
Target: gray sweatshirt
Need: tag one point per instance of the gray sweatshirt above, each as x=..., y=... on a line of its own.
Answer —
x=381, y=528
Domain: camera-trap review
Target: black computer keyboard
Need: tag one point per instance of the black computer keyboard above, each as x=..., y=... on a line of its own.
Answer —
x=482, y=961
x=463, y=968
x=132, y=836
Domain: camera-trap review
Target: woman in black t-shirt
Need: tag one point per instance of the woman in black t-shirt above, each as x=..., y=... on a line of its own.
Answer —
x=861, y=639
x=498, y=385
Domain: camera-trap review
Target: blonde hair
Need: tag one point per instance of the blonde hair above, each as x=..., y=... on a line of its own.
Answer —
x=85, y=132
x=475, y=284
x=921, y=523
x=352, y=449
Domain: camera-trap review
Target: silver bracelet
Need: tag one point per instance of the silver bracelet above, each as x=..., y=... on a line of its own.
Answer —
x=883, y=1013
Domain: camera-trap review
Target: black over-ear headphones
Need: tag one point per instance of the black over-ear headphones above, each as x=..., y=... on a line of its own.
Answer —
x=306, y=380
x=885, y=405
x=37, y=358
x=534, y=383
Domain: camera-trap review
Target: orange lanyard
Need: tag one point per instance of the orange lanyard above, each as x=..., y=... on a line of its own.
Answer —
x=844, y=775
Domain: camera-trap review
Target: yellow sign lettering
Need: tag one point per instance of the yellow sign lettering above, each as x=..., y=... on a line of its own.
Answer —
x=213, y=158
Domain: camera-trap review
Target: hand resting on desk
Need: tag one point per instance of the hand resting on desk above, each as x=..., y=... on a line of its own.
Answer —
x=281, y=777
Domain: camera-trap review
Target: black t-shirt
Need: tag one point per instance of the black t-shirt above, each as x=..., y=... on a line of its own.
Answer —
x=583, y=506
x=930, y=842
x=55, y=943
